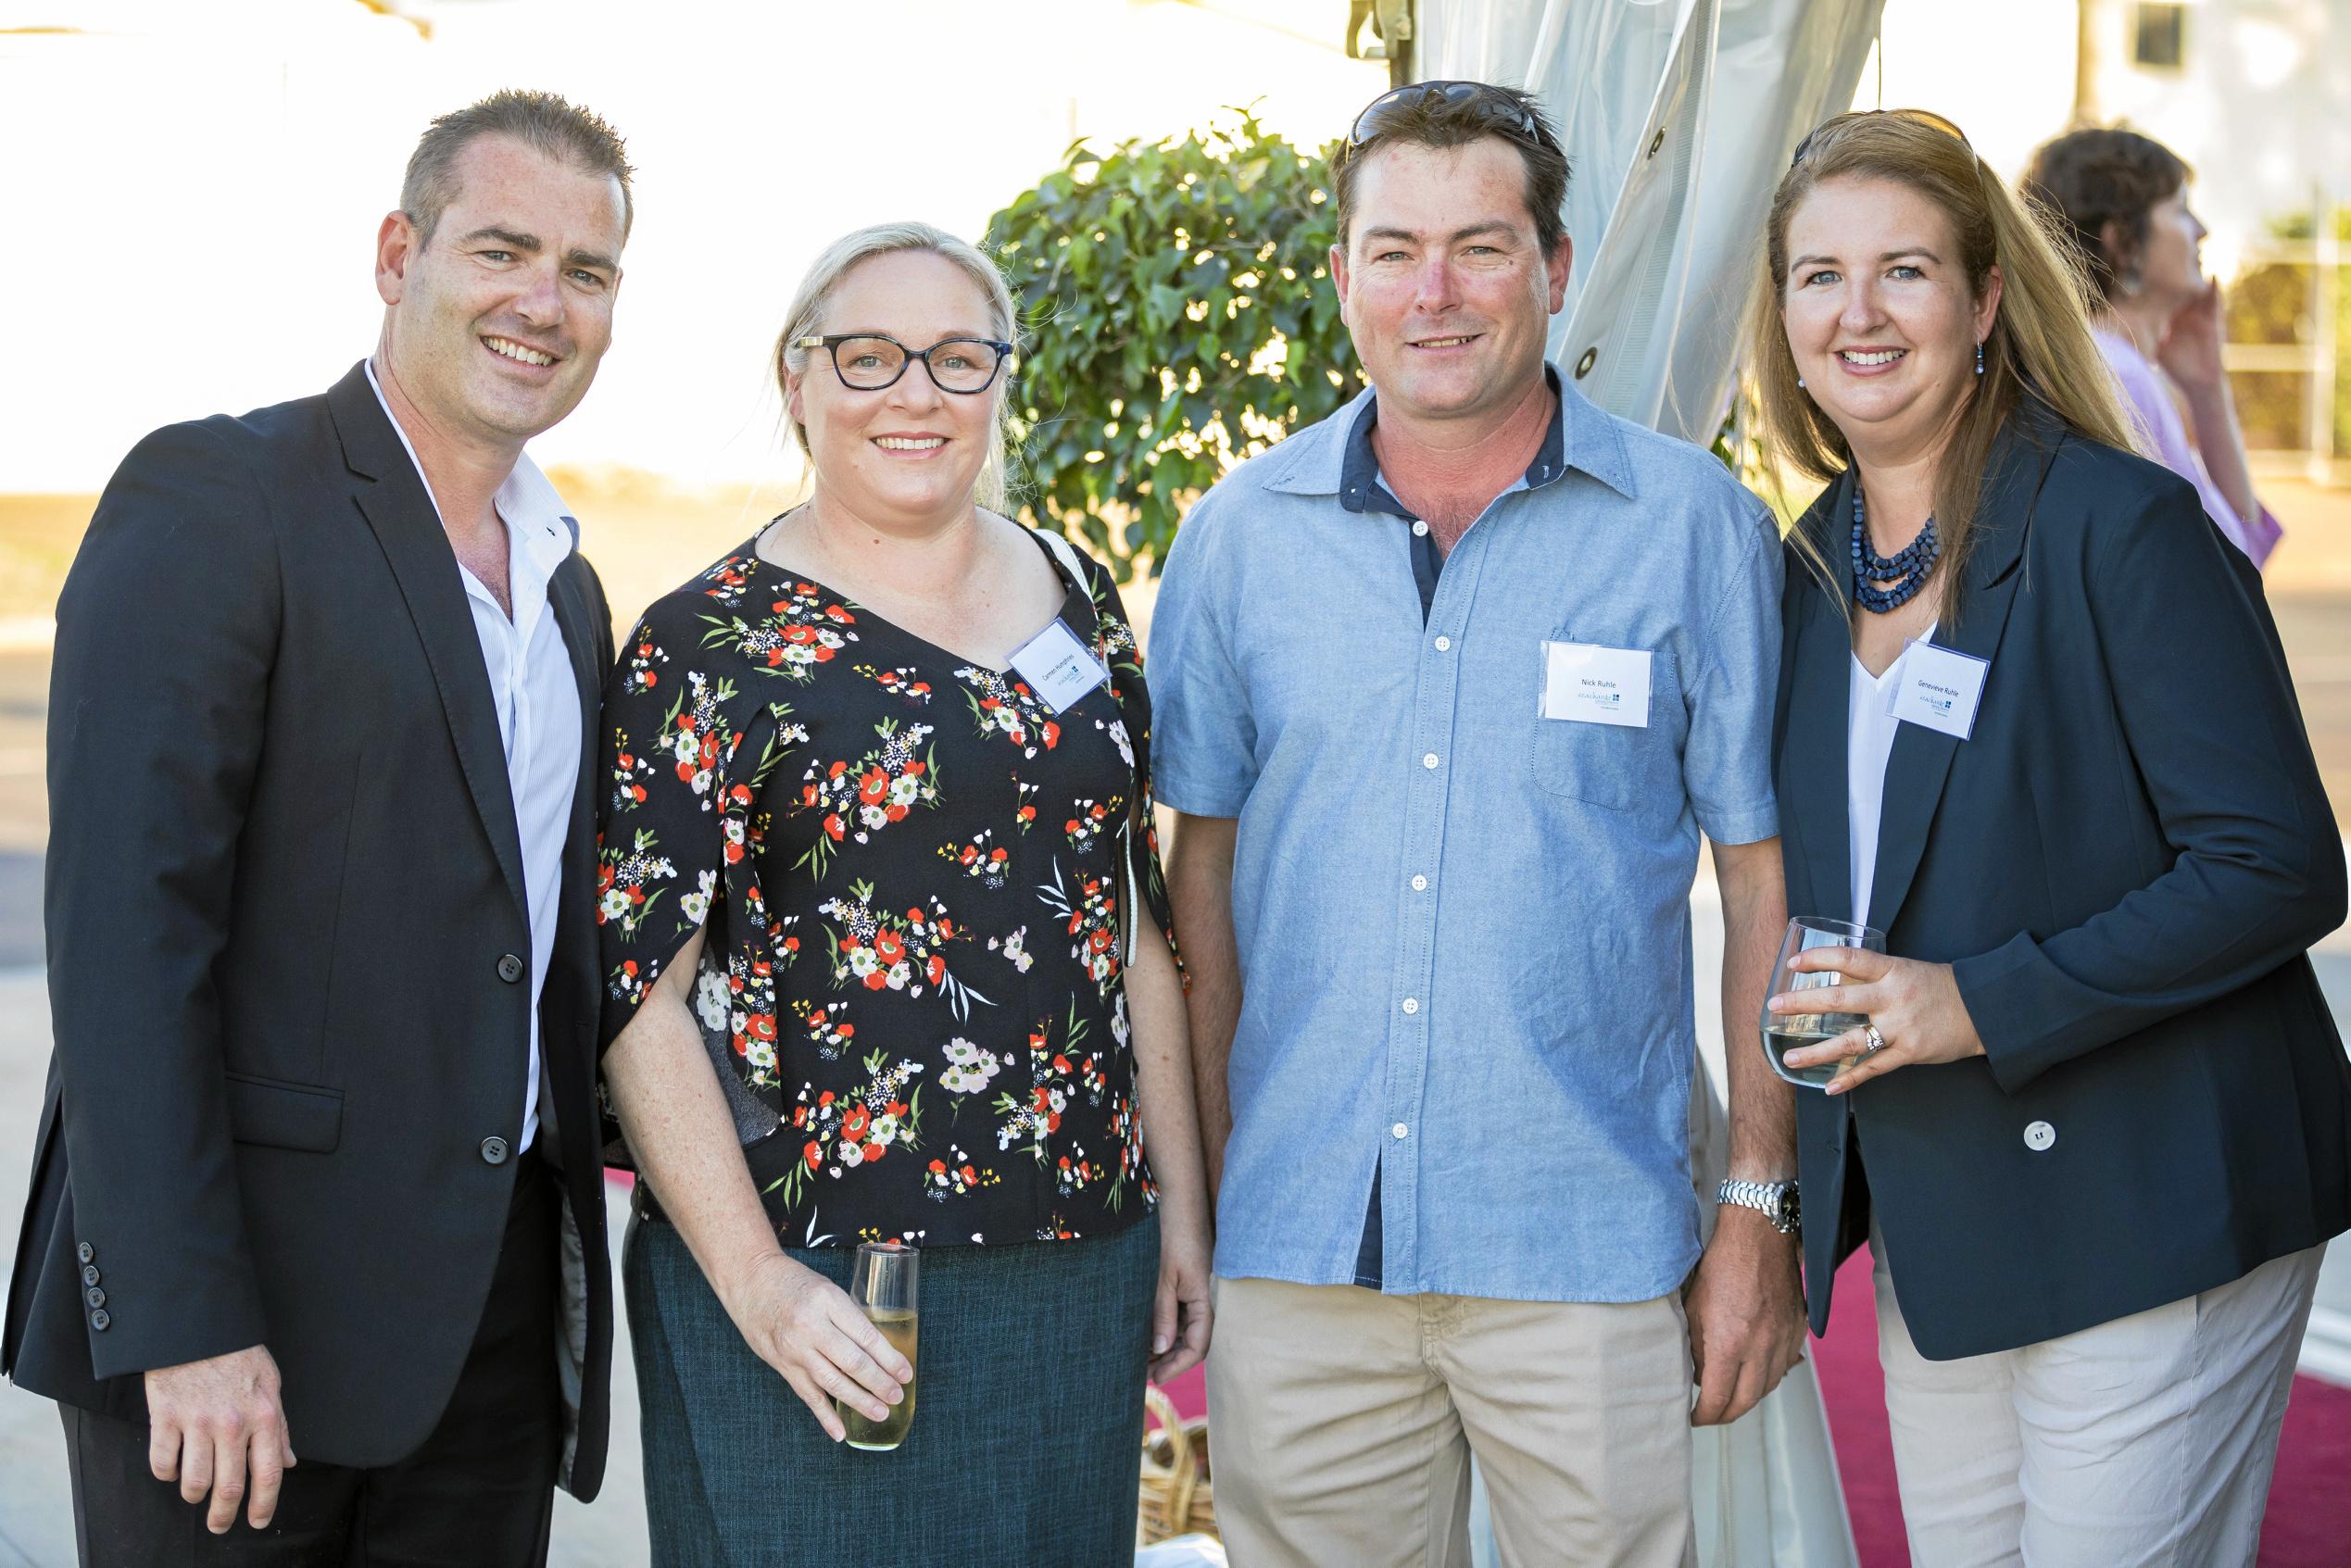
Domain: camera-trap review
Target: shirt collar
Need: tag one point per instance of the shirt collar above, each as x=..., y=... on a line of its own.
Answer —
x=541, y=530
x=1581, y=437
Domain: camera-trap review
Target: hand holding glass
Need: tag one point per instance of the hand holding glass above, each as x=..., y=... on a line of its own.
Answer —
x=1782, y=1032
x=883, y=1285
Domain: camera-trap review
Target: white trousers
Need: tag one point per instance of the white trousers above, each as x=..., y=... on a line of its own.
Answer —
x=2147, y=1442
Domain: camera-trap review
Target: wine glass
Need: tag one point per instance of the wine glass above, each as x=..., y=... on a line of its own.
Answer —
x=1786, y=1031
x=882, y=1283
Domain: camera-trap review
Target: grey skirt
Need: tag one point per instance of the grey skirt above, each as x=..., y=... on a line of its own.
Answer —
x=1025, y=1447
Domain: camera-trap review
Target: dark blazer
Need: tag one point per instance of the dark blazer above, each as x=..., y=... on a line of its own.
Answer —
x=2125, y=864
x=287, y=947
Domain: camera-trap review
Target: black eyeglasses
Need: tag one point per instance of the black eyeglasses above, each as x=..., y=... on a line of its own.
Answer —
x=1830, y=127
x=869, y=361
x=1495, y=109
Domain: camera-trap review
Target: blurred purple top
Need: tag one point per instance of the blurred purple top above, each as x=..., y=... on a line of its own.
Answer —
x=2164, y=438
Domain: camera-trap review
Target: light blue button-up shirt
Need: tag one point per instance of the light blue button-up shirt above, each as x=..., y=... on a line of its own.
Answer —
x=1464, y=927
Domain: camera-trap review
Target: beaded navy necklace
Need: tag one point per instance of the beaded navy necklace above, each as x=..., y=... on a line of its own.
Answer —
x=1907, y=569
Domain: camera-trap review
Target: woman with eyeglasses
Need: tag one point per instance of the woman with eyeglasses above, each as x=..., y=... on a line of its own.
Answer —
x=2034, y=729
x=2123, y=198
x=888, y=960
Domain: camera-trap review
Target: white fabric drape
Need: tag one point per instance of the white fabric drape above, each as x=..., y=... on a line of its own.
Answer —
x=1764, y=1490
x=1678, y=118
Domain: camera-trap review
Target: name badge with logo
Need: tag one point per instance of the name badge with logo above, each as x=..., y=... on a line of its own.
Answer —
x=1591, y=684
x=1057, y=666
x=1939, y=688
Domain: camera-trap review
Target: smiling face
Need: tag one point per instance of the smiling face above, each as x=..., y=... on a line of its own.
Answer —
x=493, y=327
x=1443, y=282
x=1879, y=316
x=907, y=456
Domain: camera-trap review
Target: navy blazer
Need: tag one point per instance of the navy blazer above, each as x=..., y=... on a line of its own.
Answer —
x=2125, y=864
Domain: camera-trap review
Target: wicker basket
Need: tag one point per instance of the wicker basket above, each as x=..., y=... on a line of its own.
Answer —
x=1176, y=1496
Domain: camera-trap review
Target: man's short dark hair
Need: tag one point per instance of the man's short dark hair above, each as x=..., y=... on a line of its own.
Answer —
x=547, y=124
x=1454, y=114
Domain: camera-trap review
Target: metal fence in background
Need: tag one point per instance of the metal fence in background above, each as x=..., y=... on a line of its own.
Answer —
x=2289, y=329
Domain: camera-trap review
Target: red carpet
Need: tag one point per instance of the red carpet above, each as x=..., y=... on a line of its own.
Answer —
x=2310, y=1519
x=2308, y=1524
x=1188, y=1394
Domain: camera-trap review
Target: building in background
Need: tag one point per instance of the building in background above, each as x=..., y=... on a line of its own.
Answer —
x=2252, y=92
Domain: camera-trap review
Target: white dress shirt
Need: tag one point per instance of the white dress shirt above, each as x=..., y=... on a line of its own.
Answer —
x=538, y=705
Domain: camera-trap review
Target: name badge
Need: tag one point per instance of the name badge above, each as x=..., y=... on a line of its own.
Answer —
x=1939, y=688
x=1591, y=685
x=1058, y=667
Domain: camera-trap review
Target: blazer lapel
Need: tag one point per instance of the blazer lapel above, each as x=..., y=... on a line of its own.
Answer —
x=399, y=510
x=1921, y=761
x=581, y=639
x=575, y=965
x=1813, y=809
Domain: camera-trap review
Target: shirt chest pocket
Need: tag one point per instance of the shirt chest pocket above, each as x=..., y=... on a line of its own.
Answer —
x=1583, y=746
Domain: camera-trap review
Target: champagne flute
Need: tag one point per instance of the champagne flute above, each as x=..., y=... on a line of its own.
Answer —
x=1783, y=1033
x=882, y=1283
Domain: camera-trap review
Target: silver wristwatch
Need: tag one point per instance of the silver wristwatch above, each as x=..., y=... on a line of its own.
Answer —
x=1776, y=1200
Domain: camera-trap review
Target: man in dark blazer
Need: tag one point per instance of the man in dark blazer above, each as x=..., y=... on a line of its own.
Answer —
x=319, y=1168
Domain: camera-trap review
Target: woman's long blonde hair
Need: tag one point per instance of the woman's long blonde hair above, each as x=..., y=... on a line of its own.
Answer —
x=2040, y=345
x=824, y=275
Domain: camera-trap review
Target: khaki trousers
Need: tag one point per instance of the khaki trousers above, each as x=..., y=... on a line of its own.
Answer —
x=1342, y=1423
x=2147, y=1442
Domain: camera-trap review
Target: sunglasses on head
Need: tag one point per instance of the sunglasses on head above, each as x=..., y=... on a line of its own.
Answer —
x=1495, y=109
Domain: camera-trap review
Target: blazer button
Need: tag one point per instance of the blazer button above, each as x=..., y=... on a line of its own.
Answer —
x=98, y=1320
x=88, y=1273
x=494, y=1150
x=95, y=1296
x=86, y=1251
x=2039, y=1136
x=510, y=968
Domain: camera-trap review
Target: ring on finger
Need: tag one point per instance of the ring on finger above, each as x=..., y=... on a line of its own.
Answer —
x=1877, y=1041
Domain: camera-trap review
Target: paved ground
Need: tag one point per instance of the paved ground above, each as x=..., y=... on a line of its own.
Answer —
x=24, y=705
x=36, y=1530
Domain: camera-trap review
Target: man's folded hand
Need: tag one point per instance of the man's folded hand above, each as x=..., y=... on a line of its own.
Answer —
x=218, y=1427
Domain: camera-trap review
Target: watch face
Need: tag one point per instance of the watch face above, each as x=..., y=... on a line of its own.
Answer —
x=1787, y=1210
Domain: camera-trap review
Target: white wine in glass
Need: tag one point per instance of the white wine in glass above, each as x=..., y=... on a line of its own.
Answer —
x=1783, y=1033
x=883, y=1285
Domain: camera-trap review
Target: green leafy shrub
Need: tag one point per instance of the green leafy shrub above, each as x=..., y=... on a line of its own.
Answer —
x=1177, y=301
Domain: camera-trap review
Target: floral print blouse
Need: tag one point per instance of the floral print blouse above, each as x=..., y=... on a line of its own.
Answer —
x=917, y=882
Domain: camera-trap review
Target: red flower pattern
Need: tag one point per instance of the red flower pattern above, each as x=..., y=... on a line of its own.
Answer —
x=761, y=731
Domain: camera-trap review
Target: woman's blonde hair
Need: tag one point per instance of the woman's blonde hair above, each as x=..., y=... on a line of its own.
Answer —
x=841, y=258
x=2040, y=345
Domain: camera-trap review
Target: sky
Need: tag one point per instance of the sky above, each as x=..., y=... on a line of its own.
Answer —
x=194, y=187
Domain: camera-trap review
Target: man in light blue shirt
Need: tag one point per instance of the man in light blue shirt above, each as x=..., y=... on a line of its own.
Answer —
x=1449, y=686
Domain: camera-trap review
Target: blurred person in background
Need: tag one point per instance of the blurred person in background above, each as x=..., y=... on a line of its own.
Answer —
x=2123, y=201
x=887, y=959
x=2097, y=1125
x=318, y=1169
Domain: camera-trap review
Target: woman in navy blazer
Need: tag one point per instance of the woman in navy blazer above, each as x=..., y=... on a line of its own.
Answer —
x=2098, y=1126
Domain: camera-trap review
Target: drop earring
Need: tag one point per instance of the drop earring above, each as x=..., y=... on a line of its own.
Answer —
x=1980, y=359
